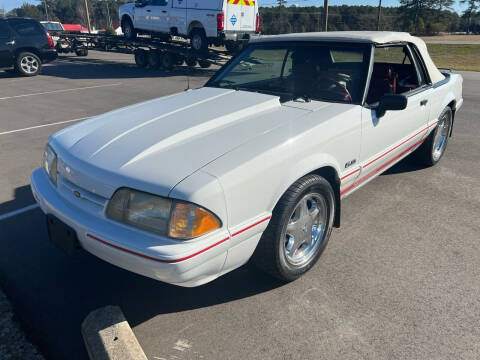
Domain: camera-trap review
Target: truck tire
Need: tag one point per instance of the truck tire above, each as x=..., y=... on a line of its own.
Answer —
x=204, y=64
x=198, y=40
x=128, y=30
x=140, y=57
x=28, y=64
x=299, y=229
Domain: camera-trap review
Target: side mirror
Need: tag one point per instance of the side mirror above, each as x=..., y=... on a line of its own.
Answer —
x=391, y=102
x=140, y=3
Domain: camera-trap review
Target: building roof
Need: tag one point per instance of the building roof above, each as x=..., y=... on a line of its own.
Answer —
x=373, y=37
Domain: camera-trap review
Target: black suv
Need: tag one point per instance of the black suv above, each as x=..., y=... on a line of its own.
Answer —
x=25, y=45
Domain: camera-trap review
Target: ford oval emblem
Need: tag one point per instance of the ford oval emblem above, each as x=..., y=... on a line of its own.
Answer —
x=77, y=193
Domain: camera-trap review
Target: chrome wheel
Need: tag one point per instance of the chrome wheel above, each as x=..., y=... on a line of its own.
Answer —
x=305, y=229
x=29, y=64
x=441, y=135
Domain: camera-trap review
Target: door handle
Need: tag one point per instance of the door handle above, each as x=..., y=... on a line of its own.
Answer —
x=423, y=102
x=164, y=11
x=10, y=42
x=148, y=10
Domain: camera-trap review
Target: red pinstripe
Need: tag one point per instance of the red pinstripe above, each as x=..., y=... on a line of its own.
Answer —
x=174, y=260
x=376, y=171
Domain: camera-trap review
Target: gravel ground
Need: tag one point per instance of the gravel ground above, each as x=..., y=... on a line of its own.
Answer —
x=13, y=343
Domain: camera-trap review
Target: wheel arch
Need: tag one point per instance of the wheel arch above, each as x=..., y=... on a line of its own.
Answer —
x=195, y=24
x=453, y=106
x=126, y=17
x=323, y=165
x=28, y=49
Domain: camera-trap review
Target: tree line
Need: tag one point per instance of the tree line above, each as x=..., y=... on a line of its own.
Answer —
x=420, y=17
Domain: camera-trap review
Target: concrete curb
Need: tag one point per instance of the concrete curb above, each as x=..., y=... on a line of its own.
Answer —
x=107, y=335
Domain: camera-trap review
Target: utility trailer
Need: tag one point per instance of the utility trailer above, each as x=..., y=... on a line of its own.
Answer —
x=163, y=52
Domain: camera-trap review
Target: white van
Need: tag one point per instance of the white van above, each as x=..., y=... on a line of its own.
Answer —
x=204, y=22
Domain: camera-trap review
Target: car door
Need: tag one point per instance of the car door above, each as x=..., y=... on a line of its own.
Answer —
x=157, y=16
x=178, y=16
x=6, y=45
x=386, y=139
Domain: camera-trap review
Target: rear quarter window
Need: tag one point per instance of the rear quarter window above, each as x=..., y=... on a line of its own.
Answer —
x=26, y=27
x=4, y=31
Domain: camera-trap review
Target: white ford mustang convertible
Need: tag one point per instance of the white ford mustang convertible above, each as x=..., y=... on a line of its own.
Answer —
x=254, y=164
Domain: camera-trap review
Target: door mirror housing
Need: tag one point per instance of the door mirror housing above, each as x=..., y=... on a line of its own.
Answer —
x=140, y=3
x=391, y=102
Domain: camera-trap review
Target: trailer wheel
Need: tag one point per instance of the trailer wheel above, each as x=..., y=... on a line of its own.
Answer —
x=179, y=59
x=81, y=52
x=167, y=61
x=191, y=61
x=204, y=64
x=140, y=57
x=153, y=59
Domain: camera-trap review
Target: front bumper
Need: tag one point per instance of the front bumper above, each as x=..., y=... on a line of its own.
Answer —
x=184, y=263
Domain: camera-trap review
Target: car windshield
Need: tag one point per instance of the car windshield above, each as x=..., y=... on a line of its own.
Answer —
x=52, y=26
x=310, y=70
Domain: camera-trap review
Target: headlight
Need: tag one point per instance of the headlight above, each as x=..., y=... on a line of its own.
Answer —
x=173, y=218
x=50, y=163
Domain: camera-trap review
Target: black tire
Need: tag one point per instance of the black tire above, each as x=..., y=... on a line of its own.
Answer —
x=140, y=58
x=153, y=59
x=81, y=52
x=28, y=64
x=270, y=253
x=198, y=40
x=167, y=61
x=191, y=60
x=428, y=153
x=128, y=30
x=234, y=47
x=204, y=64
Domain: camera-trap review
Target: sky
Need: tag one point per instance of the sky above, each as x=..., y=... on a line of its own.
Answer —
x=10, y=4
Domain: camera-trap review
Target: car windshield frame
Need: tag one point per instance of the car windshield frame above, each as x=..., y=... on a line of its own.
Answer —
x=216, y=79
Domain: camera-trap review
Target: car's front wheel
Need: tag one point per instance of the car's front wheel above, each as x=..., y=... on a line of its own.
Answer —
x=432, y=150
x=28, y=64
x=299, y=230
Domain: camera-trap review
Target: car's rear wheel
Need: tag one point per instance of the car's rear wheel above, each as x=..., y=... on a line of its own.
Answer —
x=432, y=150
x=299, y=229
x=128, y=30
x=198, y=40
x=28, y=64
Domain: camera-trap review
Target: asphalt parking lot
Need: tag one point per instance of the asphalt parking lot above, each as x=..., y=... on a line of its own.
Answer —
x=399, y=280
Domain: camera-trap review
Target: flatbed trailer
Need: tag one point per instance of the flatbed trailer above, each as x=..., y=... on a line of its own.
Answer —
x=163, y=52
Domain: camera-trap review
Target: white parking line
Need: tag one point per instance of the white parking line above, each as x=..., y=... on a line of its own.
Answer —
x=19, y=211
x=59, y=91
x=44, y=125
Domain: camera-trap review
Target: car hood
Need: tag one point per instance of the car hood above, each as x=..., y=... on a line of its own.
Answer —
x=156, y=144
